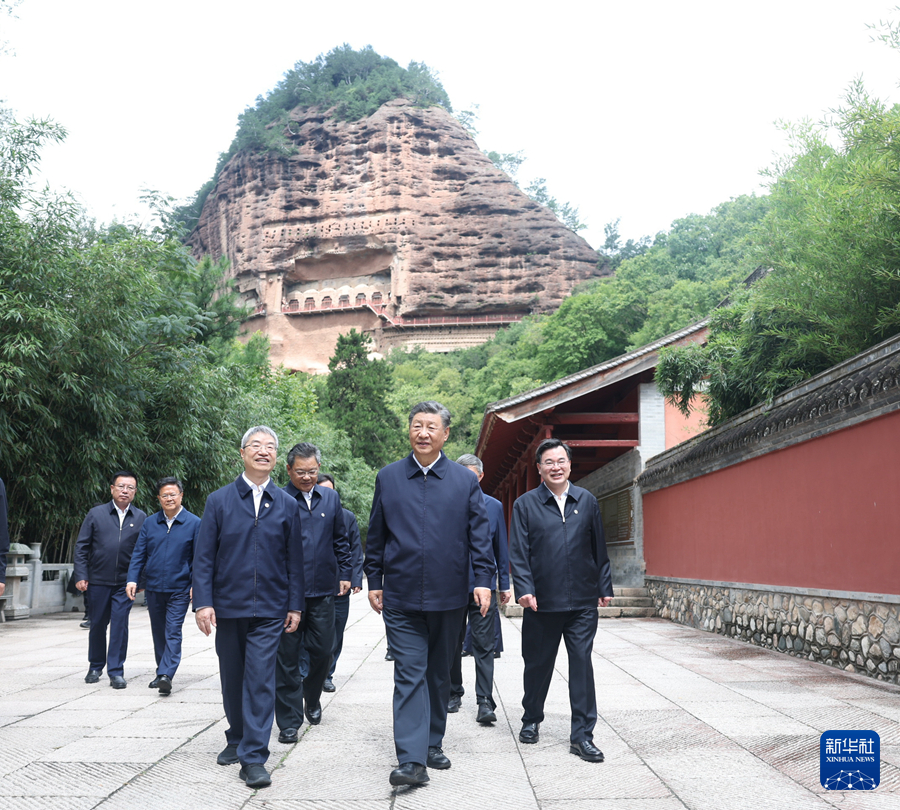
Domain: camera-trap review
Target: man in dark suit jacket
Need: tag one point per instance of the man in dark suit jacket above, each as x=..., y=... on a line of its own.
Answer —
x=483, y=627
x=428, y=519
x=102, y=555
x=561, y=574
x=326, y=556
x=248, y=584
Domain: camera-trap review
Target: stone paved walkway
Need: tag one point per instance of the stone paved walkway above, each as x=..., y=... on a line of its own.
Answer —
x=688, y=720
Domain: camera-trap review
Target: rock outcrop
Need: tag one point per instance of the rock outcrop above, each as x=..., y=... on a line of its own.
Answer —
x=397, y=224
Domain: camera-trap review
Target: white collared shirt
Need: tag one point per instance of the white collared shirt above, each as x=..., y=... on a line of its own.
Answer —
x=171, y=520
x=122, y=513
x=257, y=491
x=307, y=496
x=426, y=470
x=561, y=501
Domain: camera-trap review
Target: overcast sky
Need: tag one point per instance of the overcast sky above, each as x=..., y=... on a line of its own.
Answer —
x=646, y=111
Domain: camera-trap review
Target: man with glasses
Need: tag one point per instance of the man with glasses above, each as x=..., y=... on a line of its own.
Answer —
x=248, y=584
x=561, y=575
x=164, y=554
x=326, y=555
x=102, y=556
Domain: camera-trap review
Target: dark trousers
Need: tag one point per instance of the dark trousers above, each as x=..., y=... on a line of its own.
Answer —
x=341, y=612
x=541, y=633
x=247, y=649
x=483, y=642
x=109, y=607
x=317, y=629
x=422, y=643
x=498, y=635
x=167, y=610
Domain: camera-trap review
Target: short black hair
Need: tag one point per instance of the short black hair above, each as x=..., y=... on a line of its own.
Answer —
x=169, y=481
x=326, y=477
x=549, y=444
x=122, y=474
x=303, y=450
x=430, y=406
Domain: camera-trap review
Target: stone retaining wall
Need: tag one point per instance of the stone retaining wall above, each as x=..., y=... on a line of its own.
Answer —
x=855, y=634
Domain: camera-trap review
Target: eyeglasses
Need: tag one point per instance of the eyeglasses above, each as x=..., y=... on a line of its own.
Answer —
x=306, y=473
x=124, y=487
x=170, y=497
x=254, y=446
x=560, y=462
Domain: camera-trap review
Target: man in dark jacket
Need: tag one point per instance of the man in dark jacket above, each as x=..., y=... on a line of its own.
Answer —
x=248, y=584
x=428, y=520
x=561, y=574
x=164, y=554
x=482, y=627
x=342, y=601
x=326, y=556
x=102, y=555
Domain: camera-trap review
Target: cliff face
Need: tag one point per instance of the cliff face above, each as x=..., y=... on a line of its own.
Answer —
x=397, y=216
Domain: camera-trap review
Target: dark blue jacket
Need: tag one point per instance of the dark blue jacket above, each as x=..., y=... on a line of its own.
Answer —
x=562, y=562
x=165, y=555
x=326, y=550
x=499, y=544
x=247, y=566
x=423, y=531
x=103, y=549
x=356, y=553
x=4, y=532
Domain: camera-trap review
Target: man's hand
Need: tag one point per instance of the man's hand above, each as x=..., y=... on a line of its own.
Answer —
x=131, y=590
x=482, y=599
x=206, y=619
x=81, y=585
x=505, y=597
x=357, y=589
x=604, y=601
x=376, y=600
x=345, y=587
x=292, y=621
x=528, y=601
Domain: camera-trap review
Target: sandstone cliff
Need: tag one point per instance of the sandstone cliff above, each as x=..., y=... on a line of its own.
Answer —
x=396, y=217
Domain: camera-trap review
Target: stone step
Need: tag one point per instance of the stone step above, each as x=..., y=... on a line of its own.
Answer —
x=632, y=601
x=631, y=591
x=625, y=612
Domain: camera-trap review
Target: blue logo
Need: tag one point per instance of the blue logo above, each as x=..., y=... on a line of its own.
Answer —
x=850, y=760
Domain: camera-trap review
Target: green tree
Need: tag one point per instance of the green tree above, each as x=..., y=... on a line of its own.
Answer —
x=356, y=391
x=565, y=212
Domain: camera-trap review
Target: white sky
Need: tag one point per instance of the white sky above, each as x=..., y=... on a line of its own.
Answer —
x=645, y=110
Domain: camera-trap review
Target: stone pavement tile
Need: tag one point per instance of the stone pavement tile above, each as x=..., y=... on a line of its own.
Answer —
x=595, y=780
x=861, y=799
x=23, y=745
x=630, y=696
x=209, y=742
x=130, y=700
x=67, y=779
x=107, y=749
x=891, y=754
x=614, y=748
x=261, y=800
x=743, y=718
x=686, y=687
x=73, y=718
x=164, y=718
x=667, y=803
x=888, y=707
x=49, y=803
x=9, y=719
x=780, y=694
x=178, y=781
x=736, y=780
x=674, y=729
x=847, y=717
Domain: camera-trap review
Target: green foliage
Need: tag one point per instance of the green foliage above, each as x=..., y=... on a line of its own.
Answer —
x=508, y=162
x=565, y=212
x=356, y=393
x=830, y=238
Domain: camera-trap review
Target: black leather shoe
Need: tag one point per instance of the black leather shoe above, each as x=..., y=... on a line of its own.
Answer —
x=256, y=776
x=313, y=713
x=86, y=624
x=587, y=751
x=328, y=686
x=288, y=736
x=165, y=684
x=454, y=704
x=409, y=773
x=437, y=759
x=154, y=684
x=228, y=755
x=93, y=676
x=389, y=656
x=117, y=682
x=498, y=655
x=529, y=733
x=485, y=714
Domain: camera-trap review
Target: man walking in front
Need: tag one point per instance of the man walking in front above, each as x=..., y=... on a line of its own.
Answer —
x=428, y=519
x=248, y=584
x=561, y=574
x=102, y=555
x=326, y=556
x=483, y=627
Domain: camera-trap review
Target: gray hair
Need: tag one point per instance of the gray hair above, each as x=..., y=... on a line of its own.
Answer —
x=469, y=460
x=259, y=429
x=304, y=450
x=431, y=407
